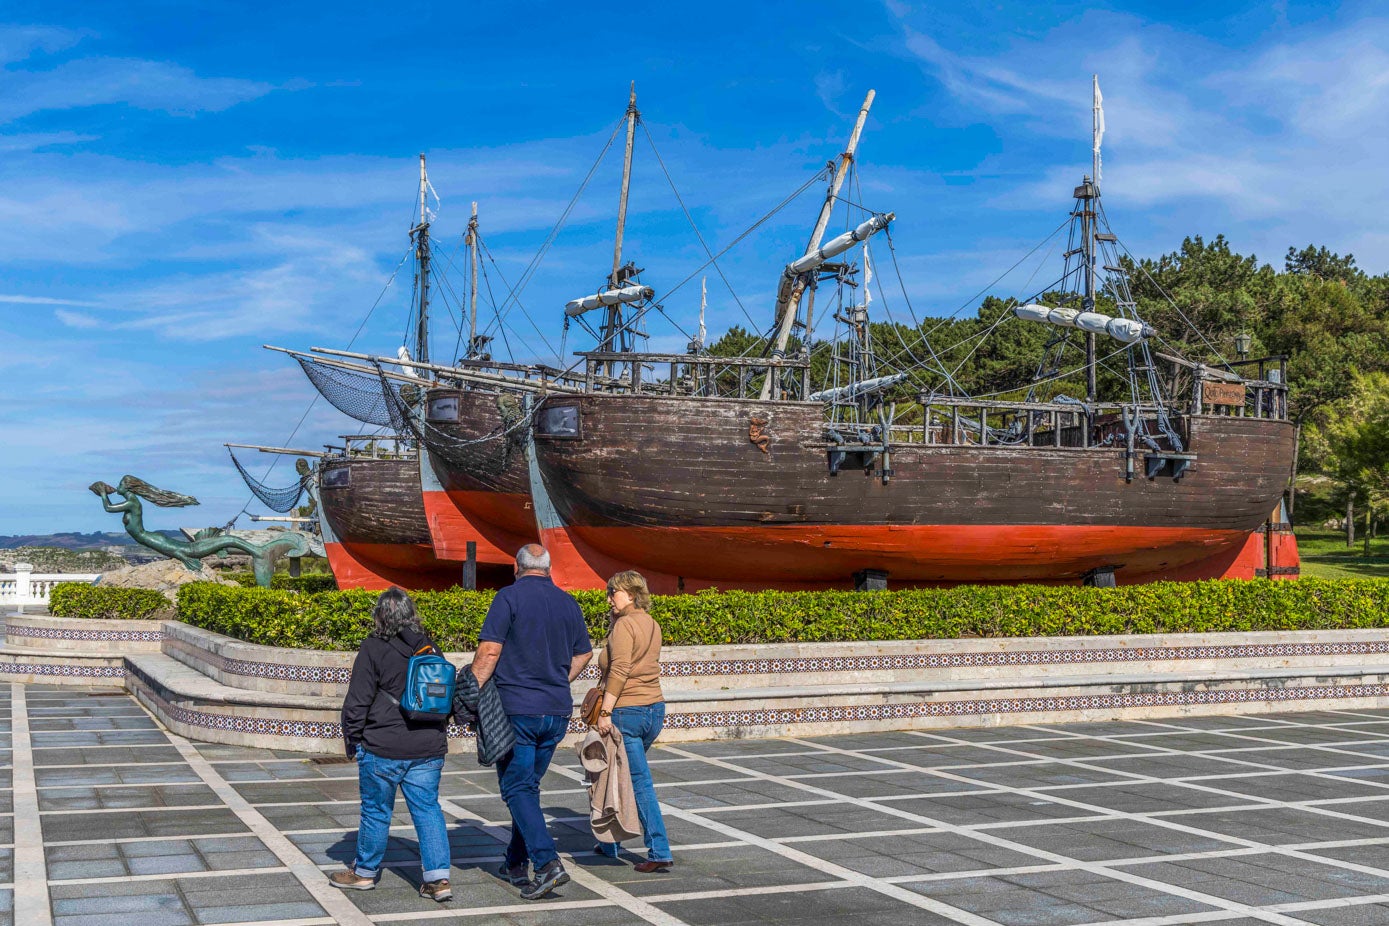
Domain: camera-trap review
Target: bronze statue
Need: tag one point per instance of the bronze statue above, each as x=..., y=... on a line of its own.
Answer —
x=206, y=542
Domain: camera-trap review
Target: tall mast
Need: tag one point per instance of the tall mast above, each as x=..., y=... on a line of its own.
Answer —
x=1090, y=190
x=613, y=323
x=471, y=239
x=793, y=285
x=421, y=235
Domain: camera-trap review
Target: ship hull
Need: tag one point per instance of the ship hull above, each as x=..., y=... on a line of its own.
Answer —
x=375, y=531
x=677, y=488
x=477, y=487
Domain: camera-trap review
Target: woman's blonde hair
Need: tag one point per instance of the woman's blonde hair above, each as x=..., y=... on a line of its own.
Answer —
x=634, y=584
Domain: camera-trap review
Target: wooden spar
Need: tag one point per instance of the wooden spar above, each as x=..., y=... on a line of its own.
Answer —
x=612, y=324
x=791, y=289
x=462, y=373
x=354, y=367
x=265, y=517
x=289, y=451
x=422, y=258
x=626, y=182
x=472, y=283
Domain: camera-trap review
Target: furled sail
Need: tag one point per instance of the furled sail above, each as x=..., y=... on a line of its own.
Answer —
x=841, y=244
x=1126, y=330
x=632, y=293
x=854, y=390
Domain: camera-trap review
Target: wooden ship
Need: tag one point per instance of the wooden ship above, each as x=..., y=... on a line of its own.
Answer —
x=374, y=491
x=736, y=472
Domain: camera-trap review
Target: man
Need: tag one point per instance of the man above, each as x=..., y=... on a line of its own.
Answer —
x=534, y=643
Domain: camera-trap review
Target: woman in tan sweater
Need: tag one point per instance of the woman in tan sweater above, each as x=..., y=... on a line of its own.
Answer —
x=633, y=702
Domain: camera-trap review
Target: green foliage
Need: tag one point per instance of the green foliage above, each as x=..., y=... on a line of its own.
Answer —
x=78, y=599
x=308, y=582
x=340, y=620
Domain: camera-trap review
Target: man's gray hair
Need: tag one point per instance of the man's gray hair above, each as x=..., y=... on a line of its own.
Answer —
x=394, y=611
x=527, y=560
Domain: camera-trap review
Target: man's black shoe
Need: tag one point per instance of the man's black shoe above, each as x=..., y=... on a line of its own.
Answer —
x=545, y=881
x=518, y=876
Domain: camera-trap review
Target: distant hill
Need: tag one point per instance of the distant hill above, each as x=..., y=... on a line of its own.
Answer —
x=75, y=540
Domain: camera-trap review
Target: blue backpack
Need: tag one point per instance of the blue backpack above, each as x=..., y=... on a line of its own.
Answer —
x=429, y=684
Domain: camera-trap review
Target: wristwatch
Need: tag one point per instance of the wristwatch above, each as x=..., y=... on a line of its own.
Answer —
x=605, y=713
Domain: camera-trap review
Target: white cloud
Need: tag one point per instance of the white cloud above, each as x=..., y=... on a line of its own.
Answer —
x=77, y=319
x=19, y=42
x=152, y=85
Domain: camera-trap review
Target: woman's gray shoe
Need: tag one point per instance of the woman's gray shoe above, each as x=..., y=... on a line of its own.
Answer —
x=546, y=880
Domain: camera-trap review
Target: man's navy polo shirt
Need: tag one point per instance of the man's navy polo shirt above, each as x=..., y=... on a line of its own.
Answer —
x=541, y=630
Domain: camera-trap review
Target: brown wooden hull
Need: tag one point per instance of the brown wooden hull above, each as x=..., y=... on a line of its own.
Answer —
x=676, y=487
x=377, y=535
x=483, y=486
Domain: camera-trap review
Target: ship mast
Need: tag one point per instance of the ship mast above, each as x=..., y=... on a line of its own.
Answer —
x=793, y=285
x=420, y=233
x=471, y=239
x=612, y=324
x=1089, y=193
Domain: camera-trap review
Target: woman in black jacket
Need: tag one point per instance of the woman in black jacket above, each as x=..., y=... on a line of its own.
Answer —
x=394, y=751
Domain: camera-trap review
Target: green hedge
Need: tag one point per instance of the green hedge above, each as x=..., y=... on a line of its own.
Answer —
x=78, y=599
x=308, y=582
x=340, y=620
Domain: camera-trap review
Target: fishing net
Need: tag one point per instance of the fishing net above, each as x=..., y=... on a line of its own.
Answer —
x=357, y=395
x=281, y=500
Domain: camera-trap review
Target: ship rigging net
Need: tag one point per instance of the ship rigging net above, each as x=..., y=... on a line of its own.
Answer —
x=358, y=395
x=276, y=499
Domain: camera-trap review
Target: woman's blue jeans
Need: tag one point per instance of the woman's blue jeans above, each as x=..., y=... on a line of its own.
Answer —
x=418, y=779
x=639, y=727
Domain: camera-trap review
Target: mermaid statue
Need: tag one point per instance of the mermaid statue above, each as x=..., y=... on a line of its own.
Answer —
x=206, y=542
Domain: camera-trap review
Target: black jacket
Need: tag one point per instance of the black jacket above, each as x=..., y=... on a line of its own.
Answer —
x=482, y=710
x=370, y=719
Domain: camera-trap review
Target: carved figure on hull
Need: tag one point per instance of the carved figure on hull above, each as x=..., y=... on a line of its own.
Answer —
x=206, y=542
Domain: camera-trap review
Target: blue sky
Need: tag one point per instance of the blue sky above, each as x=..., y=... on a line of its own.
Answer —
x=180, y=183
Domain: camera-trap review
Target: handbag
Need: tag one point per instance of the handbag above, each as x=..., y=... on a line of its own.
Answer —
x=593, y=703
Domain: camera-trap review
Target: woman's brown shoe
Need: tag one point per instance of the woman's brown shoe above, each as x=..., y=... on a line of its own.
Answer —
x=349, y=880
x=652, y=868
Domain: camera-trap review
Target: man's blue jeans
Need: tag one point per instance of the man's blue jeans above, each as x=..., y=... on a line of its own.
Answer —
x=639, y=727
x=418, y=779
x=519, y=774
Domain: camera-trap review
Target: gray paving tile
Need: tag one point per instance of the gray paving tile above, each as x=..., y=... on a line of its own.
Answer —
x=1261, y=880
x=1358, y=915
x=1106, y=840
x=1059, y=898
x=1149, y=797
x=902, y=855
x=993, y=807
x=856, y=906
x=1280, y=825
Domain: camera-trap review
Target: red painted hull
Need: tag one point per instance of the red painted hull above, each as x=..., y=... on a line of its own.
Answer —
x=378, y=566
x=798, y=557
x=455, y=518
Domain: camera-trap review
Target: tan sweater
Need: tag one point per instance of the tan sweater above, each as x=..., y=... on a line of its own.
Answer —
x=631, y=660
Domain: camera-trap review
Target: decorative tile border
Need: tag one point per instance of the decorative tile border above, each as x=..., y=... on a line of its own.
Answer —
x=780, y=716
x=263, y=726
x=1005, y=658
x=258, y=669
x=64, y=633
x=765, y=717
x=70, y=670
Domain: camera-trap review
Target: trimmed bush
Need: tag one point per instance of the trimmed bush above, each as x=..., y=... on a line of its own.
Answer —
x=78, y=599
x=340, y=620
x=308, y=582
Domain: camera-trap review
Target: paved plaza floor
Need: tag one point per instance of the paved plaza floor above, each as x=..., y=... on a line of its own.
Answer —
x=107, y=819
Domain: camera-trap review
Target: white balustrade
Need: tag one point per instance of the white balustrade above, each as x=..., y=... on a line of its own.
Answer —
x=26, y=587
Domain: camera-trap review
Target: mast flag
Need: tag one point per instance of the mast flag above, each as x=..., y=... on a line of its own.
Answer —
x=1097, y=129
x=703, y=301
